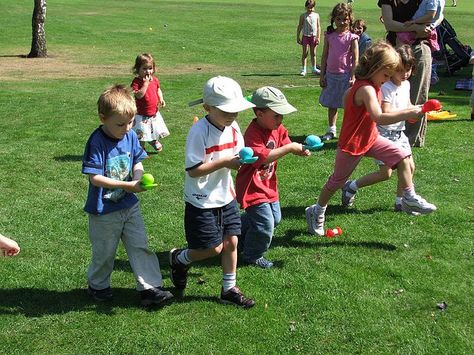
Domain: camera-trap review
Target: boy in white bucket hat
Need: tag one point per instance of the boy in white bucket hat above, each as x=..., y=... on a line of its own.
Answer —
x=212, y=218
x=256, y=184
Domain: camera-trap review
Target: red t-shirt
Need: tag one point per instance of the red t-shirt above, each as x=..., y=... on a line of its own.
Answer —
x=257, y=183
x=358, y=131
x=148, y=104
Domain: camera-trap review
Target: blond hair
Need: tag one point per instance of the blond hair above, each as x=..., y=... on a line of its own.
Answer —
x=381, y=55
x=116, y=99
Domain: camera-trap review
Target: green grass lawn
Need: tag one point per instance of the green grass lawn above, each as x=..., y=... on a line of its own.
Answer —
x=373, y=290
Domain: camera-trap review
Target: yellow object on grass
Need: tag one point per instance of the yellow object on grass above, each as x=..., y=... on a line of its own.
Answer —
x=442, y=115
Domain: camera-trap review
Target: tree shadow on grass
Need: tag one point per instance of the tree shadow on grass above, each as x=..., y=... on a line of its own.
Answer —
x=13, y=56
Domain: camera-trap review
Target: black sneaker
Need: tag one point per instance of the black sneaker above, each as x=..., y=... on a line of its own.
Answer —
x=100, y=295
x=179, y=272
x=154, y=295
x=236, y=297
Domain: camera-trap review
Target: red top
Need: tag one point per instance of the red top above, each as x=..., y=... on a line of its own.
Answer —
x=358, y=131
x=257, y=183
x=148, y=104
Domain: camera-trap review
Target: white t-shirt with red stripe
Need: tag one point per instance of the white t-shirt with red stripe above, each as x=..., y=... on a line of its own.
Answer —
x=205, y=143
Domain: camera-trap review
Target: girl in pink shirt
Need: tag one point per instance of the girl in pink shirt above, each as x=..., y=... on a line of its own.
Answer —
x=338, y=62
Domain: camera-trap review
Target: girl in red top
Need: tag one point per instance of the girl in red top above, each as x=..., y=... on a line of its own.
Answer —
x=359, y=135
x=149, y=124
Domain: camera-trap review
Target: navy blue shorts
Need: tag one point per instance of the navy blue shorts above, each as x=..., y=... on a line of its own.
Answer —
x=206, y=228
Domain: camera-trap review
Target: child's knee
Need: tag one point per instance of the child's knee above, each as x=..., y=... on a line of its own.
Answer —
x=385, y=174
x=211, y=252
x=229, y=243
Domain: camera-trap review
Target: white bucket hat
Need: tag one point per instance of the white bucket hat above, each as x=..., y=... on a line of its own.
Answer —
x=225, y=94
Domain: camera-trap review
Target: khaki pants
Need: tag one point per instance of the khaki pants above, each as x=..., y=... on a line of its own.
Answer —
x=420, y=86
x=105, y=232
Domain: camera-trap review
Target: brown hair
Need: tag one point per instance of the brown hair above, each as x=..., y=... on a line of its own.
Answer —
x=359, y=22
x=380, y=55
x=407, y=58
x=340, y=9
x=309, y=3
x=116, y=99
x=141, y=59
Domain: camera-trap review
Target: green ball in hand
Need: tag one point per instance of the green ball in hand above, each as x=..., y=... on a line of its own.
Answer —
x=147, y=179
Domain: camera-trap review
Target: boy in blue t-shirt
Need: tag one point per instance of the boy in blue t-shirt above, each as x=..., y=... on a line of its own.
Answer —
x=111, y=157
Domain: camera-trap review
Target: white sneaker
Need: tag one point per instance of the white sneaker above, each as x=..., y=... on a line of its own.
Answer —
x=346, y=200
x=314, y=220
x=417, y=204
x=316, y=71
x=303, y=72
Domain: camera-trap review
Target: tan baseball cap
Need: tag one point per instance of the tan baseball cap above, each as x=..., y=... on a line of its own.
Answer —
x=270, y=97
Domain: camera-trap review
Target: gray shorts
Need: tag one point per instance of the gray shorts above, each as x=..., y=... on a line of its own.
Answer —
x=397, y=137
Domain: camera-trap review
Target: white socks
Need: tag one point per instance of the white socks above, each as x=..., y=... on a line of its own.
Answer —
x=228, y=281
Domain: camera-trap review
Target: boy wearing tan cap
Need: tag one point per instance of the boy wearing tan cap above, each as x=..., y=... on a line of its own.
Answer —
x=212, y=217
x=256, y=184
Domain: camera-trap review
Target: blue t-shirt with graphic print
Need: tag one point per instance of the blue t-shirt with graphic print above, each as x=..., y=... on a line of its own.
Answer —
x=113, y=158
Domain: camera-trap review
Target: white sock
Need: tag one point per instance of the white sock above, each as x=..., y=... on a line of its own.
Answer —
x=409, y=192
x=183, y=257
x=332, y=129
x=228, y=281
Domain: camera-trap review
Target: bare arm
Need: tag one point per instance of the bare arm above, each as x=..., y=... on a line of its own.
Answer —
x=318, y=26
x=231, y=162
x=294, y=148
x=355, y=59
x=395, y=26
x=324, y=59
x=425, y=19
x=298, y=29
x=129, y=186
x=366, y=96
x=161, y=100
x=142, y=91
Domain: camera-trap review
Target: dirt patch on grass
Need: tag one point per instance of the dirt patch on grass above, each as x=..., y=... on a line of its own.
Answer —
x=20, y=68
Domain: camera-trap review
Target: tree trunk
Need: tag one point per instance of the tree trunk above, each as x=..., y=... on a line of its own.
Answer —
x=38, y=43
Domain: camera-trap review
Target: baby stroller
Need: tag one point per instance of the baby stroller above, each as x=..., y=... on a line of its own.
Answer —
x=453, y=53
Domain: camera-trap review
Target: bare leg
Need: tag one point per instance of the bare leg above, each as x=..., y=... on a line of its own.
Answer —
x=383, y=174
x=404, y=174
x=229, y=255
x=412, y=171
x=312, y=51
x=202, y=254
x=325, y=196
x=332, y=116
x=304, y=55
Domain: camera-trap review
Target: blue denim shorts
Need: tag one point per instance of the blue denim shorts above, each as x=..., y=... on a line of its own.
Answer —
x=206, y=228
